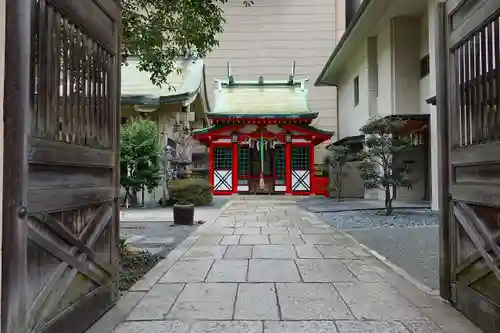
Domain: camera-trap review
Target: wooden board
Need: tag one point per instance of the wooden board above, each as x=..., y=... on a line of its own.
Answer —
x=61, y=228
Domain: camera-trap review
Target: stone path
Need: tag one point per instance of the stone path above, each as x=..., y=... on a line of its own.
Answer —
x=268, y=267
x=153, y=229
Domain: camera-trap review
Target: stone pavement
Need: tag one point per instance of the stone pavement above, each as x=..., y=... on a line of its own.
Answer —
x=268, y=267
x=153, y=229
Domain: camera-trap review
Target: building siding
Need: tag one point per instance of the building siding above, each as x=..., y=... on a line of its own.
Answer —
x=266, y=38
x=352, y=117
x=400, y=44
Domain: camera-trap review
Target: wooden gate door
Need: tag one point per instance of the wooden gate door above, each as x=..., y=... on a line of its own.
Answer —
x=472, y=38
x=60, y=216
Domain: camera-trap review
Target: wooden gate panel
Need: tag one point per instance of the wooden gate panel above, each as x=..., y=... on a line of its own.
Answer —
x=70, y=230
x=473, y=41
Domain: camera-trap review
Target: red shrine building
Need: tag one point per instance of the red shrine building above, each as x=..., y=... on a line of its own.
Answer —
x=261, y=140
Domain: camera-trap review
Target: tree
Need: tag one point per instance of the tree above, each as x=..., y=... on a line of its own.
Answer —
x=139, y=157
x=337, y=158
x=381, y=169
x=159, y=31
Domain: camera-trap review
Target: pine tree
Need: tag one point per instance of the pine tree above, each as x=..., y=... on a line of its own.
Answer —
x=337, y=158
x=381, y=168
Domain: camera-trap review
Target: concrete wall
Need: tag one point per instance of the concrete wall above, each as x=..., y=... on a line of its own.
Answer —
x=385, y=70
x=265, y=39
x=352, y=182
x=2, y=61
x=431, y=17
x=406, y=64
x=351, y=116
x=400, y=44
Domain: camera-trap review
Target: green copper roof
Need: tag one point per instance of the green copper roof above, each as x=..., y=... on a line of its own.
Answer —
x=137, y=89
x=267, y=99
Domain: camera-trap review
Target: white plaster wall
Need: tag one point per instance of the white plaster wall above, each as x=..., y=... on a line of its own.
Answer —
x=385, y=70
x=406, y=64
x=2, y=61
x=352, y=117
x=431, y=30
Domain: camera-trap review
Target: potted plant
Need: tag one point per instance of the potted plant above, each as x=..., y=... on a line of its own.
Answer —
x=183, y=213
x=186, y=194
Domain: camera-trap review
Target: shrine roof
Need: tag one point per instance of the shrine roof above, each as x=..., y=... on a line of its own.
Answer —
x=184, y=82
x=261, y=99
x=304, y=128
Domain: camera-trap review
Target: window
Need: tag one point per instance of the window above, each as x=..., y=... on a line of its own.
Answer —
x=300, y=158
x=223, y=158
x=356, y=90
x=279, y=155
x=424, y=66
x=243, y=164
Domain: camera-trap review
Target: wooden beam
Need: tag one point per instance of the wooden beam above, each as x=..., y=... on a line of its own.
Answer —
x=443, y=144
x=17, y=109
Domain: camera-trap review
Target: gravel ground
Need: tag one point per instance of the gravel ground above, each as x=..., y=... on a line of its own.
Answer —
x=401, y=218
x=408, y=238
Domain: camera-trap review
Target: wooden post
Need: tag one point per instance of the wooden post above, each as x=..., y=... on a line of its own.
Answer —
x=443, y=137
x=311, y=163
x=17, y=126
x=235, y=167
x=210, y=164
x=288, y=167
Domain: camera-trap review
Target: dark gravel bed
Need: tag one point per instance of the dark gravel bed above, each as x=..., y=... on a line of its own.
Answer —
x=408, y=238
x=363, y=219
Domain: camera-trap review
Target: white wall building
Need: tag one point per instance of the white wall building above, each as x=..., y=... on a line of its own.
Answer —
x=267, y=37
x=384, y=65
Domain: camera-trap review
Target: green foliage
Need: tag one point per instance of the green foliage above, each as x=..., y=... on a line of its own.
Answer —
x=159, y=31
x=140, y=152
x=337, y=158
x=134, y=265
x=191, y=191
x=381, y=168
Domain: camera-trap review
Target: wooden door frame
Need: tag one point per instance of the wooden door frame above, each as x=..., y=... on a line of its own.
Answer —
x=443, y=144
x=17, y=105
x=465, y=141
x=18, y=102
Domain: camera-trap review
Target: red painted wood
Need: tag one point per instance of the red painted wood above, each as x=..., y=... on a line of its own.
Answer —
x=211, y=165
x=288, y=167
x=311, y=166
x=216, y=120
x=321, y=185
x=214, y=145
x=235, y=168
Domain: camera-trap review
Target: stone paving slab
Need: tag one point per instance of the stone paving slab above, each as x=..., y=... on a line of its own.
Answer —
x=274, y=252
x=300, y=327
x=188, y=271
x=205, y=301
x=267, y=267
x=273, y=270
x=157, y=302
x=256, y=301
x=228, y=271
x=238, y=252
x=311, y=301
x=228, y=327
x=377, y=301
x=324, y=270
x=307, y=251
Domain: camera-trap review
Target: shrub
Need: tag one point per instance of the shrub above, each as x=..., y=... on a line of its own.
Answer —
x=191, y=191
